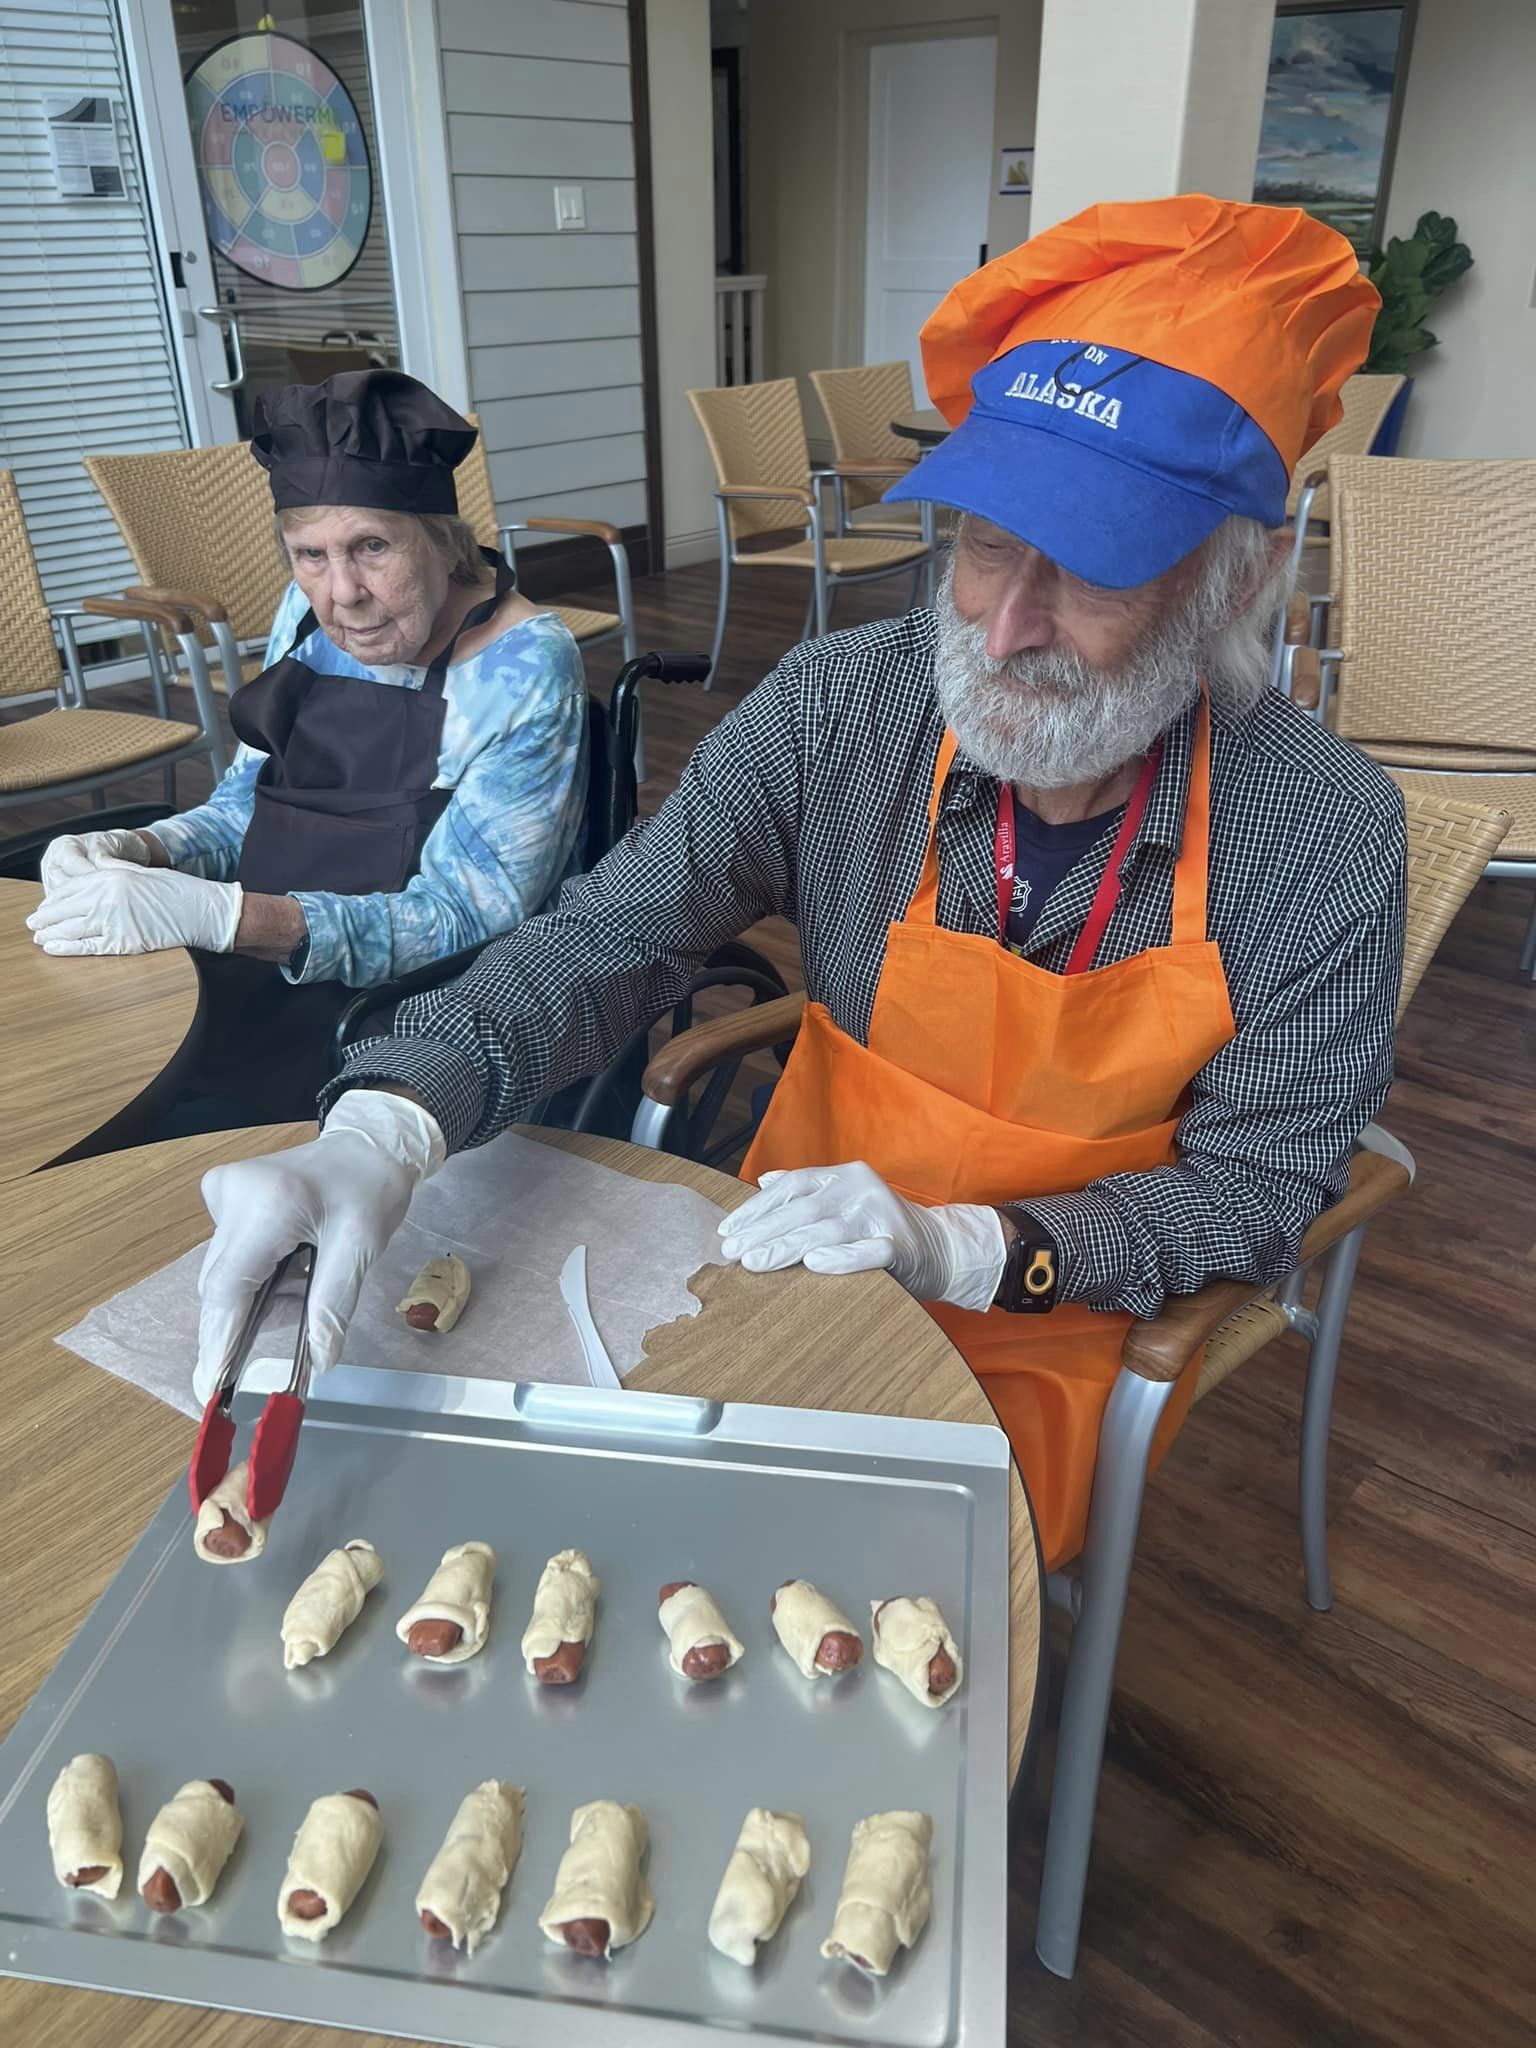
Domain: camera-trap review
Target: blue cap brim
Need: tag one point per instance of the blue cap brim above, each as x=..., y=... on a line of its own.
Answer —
x=1103, y=520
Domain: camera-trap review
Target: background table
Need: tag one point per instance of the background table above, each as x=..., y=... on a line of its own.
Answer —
x=85, y=1460
x=927, y=428
x=81, y=1037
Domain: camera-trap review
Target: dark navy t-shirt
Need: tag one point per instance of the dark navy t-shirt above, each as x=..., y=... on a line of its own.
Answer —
x=1042, y=855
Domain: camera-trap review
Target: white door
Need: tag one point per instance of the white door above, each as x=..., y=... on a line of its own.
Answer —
x=930, y=181
x=268, y=194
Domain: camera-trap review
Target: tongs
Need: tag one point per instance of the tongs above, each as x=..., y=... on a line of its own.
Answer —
x=277, y=1427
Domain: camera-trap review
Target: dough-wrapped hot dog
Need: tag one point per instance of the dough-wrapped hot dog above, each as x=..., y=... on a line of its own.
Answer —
x=815, y=1630
x=702, y=1645
x=887, y=1893
x=761, y=1879
x=601, y=1900
x=329, y=1601
x=189, y=1842
x=460, y=1895
x=331, y=1857
x=436, y=1298
x=912, y=1640
x=564, y=1616
x=85, y=1826
x=224, y=1532
x=452, y=1619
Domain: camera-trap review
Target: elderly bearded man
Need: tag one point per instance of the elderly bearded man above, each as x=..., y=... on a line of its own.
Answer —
x=1102, y=937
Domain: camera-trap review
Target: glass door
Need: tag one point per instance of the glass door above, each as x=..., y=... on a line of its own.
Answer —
x=279, y=109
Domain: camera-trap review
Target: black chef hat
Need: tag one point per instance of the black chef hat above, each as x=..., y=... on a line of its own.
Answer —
x=366, y=437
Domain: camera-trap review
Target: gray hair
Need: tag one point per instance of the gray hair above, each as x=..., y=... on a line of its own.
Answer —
x=449, y=537
x=1236, y=645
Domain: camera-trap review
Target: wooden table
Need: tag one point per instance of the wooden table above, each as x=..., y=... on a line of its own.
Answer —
x=82, y=1037
x=85, y=1460
x=927, y=428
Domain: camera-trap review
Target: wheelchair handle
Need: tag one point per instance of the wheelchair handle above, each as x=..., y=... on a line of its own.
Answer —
x=666, y=667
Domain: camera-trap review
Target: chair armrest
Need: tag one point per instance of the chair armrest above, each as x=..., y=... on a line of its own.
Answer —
x=1306, y=678
x=598, y=529
x=207, y=609
x=1160, y=1349
x=683, y=1059
x=151, y=610
x=871, y=469
x=798, y=497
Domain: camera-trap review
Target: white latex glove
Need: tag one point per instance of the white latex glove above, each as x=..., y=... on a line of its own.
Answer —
x=119, y=908
x=346, y=1193
x=78, y=853
x=844, y=1219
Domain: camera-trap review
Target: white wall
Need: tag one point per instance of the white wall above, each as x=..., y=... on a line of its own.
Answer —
x=1138, y=102
x=682, y=187
x=1467, y=147
x=538, y=92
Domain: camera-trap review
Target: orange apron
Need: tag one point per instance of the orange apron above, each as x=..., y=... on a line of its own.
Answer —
x=989, y=1079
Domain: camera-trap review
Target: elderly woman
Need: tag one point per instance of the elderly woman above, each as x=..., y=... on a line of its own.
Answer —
x=411, y=777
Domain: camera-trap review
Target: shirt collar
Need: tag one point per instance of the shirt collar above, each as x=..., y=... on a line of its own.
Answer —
x=1162, y=825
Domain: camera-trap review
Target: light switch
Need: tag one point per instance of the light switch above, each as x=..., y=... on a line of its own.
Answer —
x=570, y=207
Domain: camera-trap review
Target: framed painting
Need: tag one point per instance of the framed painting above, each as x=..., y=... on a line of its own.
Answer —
x=1331, y=111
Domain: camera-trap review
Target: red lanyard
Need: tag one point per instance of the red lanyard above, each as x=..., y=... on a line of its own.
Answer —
x=1004, y=852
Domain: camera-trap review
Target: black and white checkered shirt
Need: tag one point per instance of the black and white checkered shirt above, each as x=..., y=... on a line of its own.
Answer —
x=810, y=799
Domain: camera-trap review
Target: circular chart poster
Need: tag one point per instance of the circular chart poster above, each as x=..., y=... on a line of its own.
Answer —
x=282, y=161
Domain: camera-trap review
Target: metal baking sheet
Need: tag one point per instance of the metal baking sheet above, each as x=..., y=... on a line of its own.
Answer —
x=178, y=1673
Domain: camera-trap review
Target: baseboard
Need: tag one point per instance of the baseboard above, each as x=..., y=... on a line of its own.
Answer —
x=686, y=549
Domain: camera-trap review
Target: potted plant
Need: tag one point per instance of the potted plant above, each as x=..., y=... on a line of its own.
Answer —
x=1410, y=273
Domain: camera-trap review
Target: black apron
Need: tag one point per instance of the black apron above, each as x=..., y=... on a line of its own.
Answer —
x=344, y=803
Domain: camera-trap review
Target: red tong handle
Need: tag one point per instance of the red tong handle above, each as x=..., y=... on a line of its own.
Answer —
x=273, y=1448
x=210, y=1454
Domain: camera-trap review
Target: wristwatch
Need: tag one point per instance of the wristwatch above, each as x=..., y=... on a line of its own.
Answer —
x=1030, y=1271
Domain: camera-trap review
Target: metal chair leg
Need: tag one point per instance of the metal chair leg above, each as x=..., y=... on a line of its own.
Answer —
x=1528, y=951
x=810, y=613
x=207, y=707
x=1114, y=1515
x=1317, y=1415
x=725, y=593
x=156, y=665
x=819, y=555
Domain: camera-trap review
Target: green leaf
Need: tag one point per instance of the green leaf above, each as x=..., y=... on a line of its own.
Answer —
x=1445, y=266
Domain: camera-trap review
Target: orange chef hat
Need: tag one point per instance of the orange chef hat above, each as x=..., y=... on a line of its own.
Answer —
x=1264, y=302
x=1132, y=377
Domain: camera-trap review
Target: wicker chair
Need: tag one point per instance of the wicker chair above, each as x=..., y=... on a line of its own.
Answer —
x=756, y=437
x=1431, y=627
x=860, y=405
x=198, y=524
x=477, y=504
x=73, y=750
x=1368, y=403
x=1449, y=845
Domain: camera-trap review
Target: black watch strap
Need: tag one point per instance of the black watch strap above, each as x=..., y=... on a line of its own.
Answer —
x=1031, y=1271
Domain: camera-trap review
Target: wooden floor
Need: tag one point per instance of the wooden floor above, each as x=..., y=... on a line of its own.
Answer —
x=1313, y=1829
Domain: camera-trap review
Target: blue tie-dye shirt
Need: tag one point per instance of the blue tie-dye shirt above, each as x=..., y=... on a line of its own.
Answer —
x=514, y=753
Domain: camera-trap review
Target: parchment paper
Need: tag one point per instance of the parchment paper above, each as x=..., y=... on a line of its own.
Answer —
x=512, y=1210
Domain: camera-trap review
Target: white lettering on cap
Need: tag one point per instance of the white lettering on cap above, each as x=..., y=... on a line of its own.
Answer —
x=1088, y=405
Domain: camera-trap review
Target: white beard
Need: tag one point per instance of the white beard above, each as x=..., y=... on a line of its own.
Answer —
x=1047, y=720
